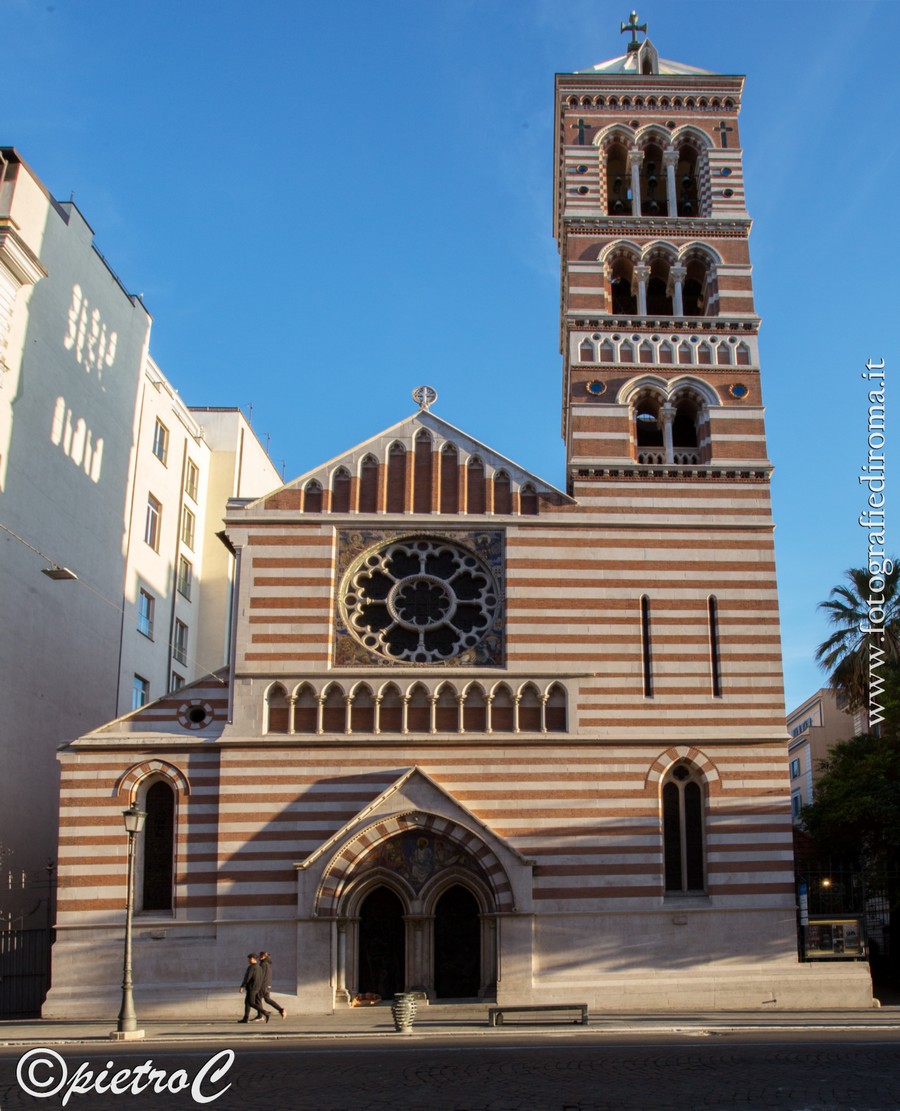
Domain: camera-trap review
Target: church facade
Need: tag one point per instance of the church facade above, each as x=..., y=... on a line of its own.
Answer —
x=481, y=737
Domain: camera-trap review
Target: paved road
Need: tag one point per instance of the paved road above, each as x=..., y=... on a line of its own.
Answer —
x=526, y=1072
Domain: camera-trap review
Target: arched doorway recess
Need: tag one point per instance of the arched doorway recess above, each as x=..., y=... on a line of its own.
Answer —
x=457, y=945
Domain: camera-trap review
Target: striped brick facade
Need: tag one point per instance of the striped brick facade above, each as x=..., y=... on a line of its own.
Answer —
x=593, y=781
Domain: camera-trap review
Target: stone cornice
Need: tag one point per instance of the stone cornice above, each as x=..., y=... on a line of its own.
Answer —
x=686, y=227
x=17, y=257
x=577, y=321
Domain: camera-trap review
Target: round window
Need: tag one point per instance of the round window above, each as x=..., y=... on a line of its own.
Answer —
x=419, y=600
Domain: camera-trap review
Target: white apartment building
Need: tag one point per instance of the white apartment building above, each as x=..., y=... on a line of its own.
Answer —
x=114, y=489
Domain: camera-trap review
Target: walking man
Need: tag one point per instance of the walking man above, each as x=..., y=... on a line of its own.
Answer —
x=265, y=963
x=250, y=988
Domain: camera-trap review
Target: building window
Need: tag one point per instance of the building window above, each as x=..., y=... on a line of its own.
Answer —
x=146, y=605
x=796, y=805
x=188, y=527
x=180, y=642
x=645, y=646
x=191, y=479
x=795, y=768
x=682, y=808
x=185, y=576
x=161, y=442
x=153, y=522
x=715, y=673
x=177, y=682
x=140, y=692
x=159, y=845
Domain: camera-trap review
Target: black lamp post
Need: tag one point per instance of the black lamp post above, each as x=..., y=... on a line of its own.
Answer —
x=127, y=1030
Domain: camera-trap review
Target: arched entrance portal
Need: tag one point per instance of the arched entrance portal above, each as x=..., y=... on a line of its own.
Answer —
x=382, y=934
x=457, y=945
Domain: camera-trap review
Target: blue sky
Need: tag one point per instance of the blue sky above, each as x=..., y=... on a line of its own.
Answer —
x=325, y=206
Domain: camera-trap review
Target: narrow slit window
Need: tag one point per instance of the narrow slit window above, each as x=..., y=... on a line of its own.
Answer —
x=715, y=673
x=645, y=646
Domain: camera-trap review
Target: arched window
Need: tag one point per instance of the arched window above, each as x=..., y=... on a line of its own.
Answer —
x=475, y=487
x=475, y=710
x=555, y=710
x=446, y=711
x=158, y=847
x=618, y=191
x=528, y=501
x=422, y=476
x=312, y=497
x=390, y=712
x=715, y=673
x=396, y=479
x=278, y=710
x=340, y=491
x=362, y=710
x=449, y=479
x=694, y=289
x=648, y=431
x=685, y=439
x=502, y=710
x=530, y=715
x=418, y=711
x=334, y=711
x=686, y=182
x=622, y=300
x=659, y=300
x=586, y=351
x=682, y=813
x=502, y=493
x=653, y=182
x=368, y=485
x=306, y=710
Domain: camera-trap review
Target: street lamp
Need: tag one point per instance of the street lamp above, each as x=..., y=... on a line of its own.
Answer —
x=126, y=1029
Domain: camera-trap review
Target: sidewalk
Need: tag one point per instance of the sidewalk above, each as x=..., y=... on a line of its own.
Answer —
x=442, y=1021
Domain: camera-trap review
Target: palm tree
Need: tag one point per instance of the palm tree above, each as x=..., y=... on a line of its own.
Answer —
x=845, y=655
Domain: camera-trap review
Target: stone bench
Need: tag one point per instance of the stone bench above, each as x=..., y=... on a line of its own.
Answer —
x=495, y=1014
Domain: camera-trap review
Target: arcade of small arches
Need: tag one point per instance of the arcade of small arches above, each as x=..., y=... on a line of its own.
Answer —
x=448, y=708
x=424, y=479
x=714, y=104
x=673, y=350
x=660, y=280
x=652, y=171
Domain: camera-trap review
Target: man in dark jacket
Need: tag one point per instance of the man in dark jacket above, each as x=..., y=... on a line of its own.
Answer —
x=251, y=986
x=265, y=963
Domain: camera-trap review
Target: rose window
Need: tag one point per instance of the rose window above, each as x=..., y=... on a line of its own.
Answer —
x=420, y=600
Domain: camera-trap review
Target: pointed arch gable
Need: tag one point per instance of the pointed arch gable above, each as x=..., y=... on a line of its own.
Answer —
x=128, y=783
x=344, y=866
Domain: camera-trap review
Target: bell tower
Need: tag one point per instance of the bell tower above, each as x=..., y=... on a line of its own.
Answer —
x=658, y=331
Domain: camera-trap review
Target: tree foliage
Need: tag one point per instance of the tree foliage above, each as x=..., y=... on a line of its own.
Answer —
x=845, y=655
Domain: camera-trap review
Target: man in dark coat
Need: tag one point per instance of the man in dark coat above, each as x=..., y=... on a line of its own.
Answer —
x=250, y=987
x=265, y=963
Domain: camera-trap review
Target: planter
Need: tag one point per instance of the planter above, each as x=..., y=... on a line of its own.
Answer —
x=403, y=1009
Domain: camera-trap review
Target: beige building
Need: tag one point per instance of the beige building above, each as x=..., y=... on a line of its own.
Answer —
x=815, y=727
x=479, y=736
x=112, y=488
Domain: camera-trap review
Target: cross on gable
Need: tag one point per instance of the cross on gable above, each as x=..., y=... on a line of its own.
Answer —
x=582, y=127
